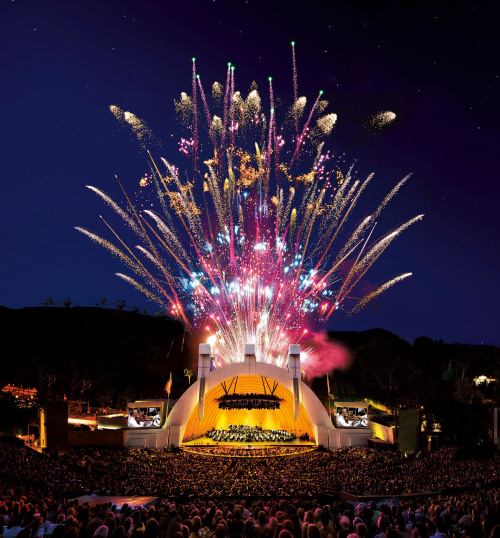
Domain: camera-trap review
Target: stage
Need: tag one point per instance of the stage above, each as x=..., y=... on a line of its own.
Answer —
x=248, y=449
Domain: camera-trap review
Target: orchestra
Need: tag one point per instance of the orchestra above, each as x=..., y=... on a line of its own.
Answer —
x=244, y=433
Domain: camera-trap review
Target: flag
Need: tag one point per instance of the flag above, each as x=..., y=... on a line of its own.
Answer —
x=212, y=364
x=168, y=386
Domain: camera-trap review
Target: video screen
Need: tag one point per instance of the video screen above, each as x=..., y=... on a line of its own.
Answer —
x=144, y=417
x=352, y=417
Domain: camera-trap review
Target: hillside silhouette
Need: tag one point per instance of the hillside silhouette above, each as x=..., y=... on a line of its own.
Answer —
x=128, y=354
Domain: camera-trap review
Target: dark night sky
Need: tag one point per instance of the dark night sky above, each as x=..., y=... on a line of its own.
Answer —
x=435, y=64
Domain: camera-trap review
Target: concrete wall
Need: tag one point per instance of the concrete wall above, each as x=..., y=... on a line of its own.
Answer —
x=340, y=438
x=144, y=438
x=321, y=433
x=354, y=437
x=174, y=435
x=379, y=431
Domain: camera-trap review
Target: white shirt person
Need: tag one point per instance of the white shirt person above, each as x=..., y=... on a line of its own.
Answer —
x=132, y=420
x=341, y=419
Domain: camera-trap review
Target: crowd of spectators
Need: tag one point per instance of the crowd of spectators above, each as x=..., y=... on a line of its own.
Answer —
x=27, y=514
x=156, y=472
x=369, y=472
x=204, y=496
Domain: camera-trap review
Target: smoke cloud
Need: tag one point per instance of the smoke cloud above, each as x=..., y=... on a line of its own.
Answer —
x=326, y=355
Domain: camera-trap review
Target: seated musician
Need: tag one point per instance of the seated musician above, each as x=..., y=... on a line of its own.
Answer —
x=134, y=420
x=155, y=417
x=144, y=419
x=353, y=419
x=363, y=415
x=342, y=419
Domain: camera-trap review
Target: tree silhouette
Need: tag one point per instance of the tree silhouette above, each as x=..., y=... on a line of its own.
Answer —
x=45, y=381
x=78, y=386
x=120, y=304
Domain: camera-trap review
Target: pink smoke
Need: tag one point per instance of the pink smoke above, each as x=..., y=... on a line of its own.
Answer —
x=326, y=356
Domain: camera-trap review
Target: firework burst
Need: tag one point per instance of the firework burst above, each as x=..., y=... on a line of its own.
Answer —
x=252, y=241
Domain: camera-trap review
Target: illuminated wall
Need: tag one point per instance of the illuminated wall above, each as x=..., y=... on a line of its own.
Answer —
x=379, y=431
x=278, y=419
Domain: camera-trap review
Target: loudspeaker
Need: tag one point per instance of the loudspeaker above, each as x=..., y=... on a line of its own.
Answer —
x=408, y=430
x=54, y=426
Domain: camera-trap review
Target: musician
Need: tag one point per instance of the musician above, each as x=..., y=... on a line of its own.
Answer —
x=156, y=417
x=363, y=415
x=143, y=419
x=353, y=419
x=342, y=419
x=146, y=420
x=134, y=420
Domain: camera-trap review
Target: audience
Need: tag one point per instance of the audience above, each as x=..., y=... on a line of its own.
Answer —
x=204, y=496
x=360, y=471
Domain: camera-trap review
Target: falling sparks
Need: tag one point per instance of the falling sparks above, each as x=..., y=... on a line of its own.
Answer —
x=217, y=91
x=138, y=126
x=380, y=290
x=380, y=119
x=326, y=123
x=250, y=241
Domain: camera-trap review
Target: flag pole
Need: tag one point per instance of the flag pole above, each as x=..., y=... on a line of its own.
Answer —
x=168, y=392
x=329, y=401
